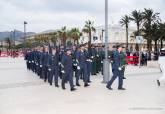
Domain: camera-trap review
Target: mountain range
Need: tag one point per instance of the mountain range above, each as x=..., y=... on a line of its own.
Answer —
x=17, y=34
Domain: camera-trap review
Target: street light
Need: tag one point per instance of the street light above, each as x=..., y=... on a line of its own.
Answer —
x=25, y=35
x=102, y=34
x=14, y=37
x=106, y=61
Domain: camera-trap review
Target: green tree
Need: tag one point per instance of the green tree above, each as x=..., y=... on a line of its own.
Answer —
x=75, y=34
x=162, y=33
x=155, y=34
x=53, y=38
x=8, y=42
x=149, y=18
x=137, y=18
x=63, y=35
x=89, y=28
x=125, y=22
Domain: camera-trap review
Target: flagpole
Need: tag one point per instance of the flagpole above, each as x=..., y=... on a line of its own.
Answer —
x=106, y=61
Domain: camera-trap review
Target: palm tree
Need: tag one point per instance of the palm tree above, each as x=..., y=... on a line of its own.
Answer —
x=137, y=17
x=63, y=35
x=89, y=28
x=29, y=43
x=156, y=34
x=162, y=33
x=149, y=18
x=8, y=42
x=38, y=39
x=54, y=37
x=75, y=34
x=125, y=22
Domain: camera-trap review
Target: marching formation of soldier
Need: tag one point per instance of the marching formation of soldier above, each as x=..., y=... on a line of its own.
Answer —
x=73, y=64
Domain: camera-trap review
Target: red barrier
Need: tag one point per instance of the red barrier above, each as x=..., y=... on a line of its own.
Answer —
x=133, y=60
x=12, y=54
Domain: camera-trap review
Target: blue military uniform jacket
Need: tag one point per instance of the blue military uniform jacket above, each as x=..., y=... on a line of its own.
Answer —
x=117, y=63
x=67, y=63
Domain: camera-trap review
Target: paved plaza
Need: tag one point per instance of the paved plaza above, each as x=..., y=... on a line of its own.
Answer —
x=22, y=92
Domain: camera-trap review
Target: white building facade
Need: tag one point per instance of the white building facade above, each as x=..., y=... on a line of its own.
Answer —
x=116, y=35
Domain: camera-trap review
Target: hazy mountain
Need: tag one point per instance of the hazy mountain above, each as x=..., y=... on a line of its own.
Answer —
x=47, y=31
x=18, y=34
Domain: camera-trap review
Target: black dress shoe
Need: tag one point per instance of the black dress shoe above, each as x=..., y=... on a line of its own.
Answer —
x=86, y=85
x=78, y=85
x=56, y=85
x=158, y=82
x=109, y=88
x=51, y=84
x=73, y=89
x=121, y=89
x=89, y=81
x=124, y=77
x=63, y=88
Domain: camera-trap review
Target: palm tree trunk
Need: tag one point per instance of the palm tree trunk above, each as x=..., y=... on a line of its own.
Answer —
x=126, y=37
x=149, y=45
x=161, y=45
x=90, y=39
x=64, y=42
x=77, y=41
x=54, y=43
x=156, y=45
x=138, y=33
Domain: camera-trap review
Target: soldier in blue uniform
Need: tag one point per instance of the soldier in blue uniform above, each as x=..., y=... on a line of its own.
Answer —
x=67, y=69
x=39, y=53
x=41, y=69
x=88, y=62
x=61, y=53
x=93, y=58
x=111, y=57
x=53, y=67
x=75, y=50
x=117, y=69
x=82, y=65
x=45, y=61
x=76, y=65
x=27, y=59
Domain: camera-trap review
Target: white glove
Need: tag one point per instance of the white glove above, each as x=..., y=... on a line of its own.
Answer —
x=59, y=63
x=78, y=67
x=49, y=69
x=40, y=65
x=74, y=64
x=101, y=61
x=92, y=57
x=120, y=68
x=63, y=71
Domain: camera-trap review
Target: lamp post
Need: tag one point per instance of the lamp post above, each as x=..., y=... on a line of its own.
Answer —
x=102, y=35
x=14, y=36
x=106, y=61
x=25, y=23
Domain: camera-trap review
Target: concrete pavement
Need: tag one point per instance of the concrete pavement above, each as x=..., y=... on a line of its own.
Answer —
x=22, y=92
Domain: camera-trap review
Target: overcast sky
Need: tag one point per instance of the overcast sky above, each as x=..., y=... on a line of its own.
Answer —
x=44, y=15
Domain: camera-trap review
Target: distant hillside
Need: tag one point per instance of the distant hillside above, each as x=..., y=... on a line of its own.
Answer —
x=18, y=34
